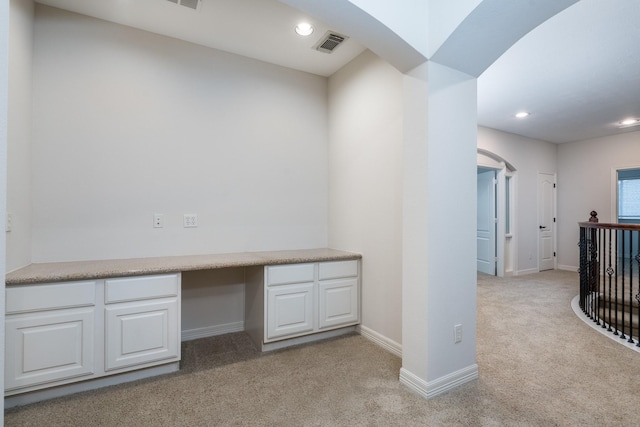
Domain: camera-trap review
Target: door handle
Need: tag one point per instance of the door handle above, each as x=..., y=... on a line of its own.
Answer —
x=543, y=227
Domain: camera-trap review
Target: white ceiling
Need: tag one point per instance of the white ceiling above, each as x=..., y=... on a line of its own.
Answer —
x=260, y=29
x=578, y=74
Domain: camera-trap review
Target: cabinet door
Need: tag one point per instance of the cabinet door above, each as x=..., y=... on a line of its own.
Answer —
x=289, y=310
x=48, y=346
x=338, y=302
x=141, y=333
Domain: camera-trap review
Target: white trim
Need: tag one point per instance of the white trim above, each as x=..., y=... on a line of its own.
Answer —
x=501, y=213
x=431, y=389
x=380, y=340
x=66, y=389
x=572, y=268
x=527, y=271
x=575, y=305
x=317, y=336
x=211, y=331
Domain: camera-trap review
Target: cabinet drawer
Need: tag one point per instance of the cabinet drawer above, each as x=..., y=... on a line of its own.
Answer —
x=337, y=269
x=27, y=298
x=139, y=288
x=291, y=273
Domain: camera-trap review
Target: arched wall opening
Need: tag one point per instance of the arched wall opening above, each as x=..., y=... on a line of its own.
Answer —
x=439, y=129
x=505, y=196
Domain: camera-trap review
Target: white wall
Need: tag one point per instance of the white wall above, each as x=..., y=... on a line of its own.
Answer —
x=528, y=156
x=19, y=134
x=365, y=163
x=128, y=123
x=212, y=302
x=584, y=184
x=4, y=114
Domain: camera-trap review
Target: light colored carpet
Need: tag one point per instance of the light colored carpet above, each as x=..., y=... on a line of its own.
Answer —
x=539, y=366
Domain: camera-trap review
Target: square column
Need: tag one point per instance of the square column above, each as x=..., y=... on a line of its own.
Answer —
x=439, y=228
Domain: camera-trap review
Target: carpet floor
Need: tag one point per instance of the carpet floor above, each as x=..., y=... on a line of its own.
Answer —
x=539, y=366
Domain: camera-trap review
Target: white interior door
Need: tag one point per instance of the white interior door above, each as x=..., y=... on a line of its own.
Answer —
x=546, y=220
x=486, y=236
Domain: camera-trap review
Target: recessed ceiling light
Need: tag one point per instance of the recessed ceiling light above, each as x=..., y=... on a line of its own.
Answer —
x=522, y=114
x=304, y=29
x=629, y=122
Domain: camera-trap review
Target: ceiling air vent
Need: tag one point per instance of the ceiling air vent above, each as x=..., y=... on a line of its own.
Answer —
x=329, y=42
x=191, y=4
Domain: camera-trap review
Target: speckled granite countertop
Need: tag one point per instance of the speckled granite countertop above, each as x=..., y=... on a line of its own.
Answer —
x=84, y=270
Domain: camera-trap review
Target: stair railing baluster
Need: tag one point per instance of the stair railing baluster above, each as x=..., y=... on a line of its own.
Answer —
x=614, y=255
x=630, y=340
x=637, y=296
x=610, y=274
x=601, y=281
x=621, y=261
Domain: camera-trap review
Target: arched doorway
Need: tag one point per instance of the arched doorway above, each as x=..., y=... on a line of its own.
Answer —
x=501, y=206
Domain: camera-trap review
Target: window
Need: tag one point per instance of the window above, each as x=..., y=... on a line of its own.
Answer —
x=629, y=195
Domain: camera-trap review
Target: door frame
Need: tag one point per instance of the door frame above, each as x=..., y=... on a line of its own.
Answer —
x=494, y=220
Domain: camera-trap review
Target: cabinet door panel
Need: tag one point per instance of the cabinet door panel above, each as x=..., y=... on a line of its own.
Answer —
x=338, y=303
x=140, y=333
x=48, y=346
x=289, y=310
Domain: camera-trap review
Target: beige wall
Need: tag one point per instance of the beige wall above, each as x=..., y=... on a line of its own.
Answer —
x=585, y=171
x=127, y=123
x=365, y=170
x=19, y=134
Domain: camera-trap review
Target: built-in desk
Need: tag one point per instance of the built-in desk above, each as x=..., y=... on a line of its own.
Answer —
x=74, y=326
x=100, y=269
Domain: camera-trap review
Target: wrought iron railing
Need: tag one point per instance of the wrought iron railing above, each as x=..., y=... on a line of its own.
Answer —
x=609, y=276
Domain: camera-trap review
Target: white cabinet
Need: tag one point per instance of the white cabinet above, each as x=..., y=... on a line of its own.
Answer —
x=290, y=310
x=60, y=333
x=337, y=302
x=49, y=333
x=338, y=293
x=301, y=299
x=146, y=328
x=290, y=300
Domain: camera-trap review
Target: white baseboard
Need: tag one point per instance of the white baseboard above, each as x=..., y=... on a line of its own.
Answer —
x=211, y=331
x=380, y=340
x=431, y=389
x=276, y=345
x=66, y=389
x=527, y=271
x=568, y=268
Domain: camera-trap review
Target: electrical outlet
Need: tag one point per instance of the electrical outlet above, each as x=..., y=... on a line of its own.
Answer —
x=9, y=223
x=158, y=220
x=190, y=220
x=457, y=334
